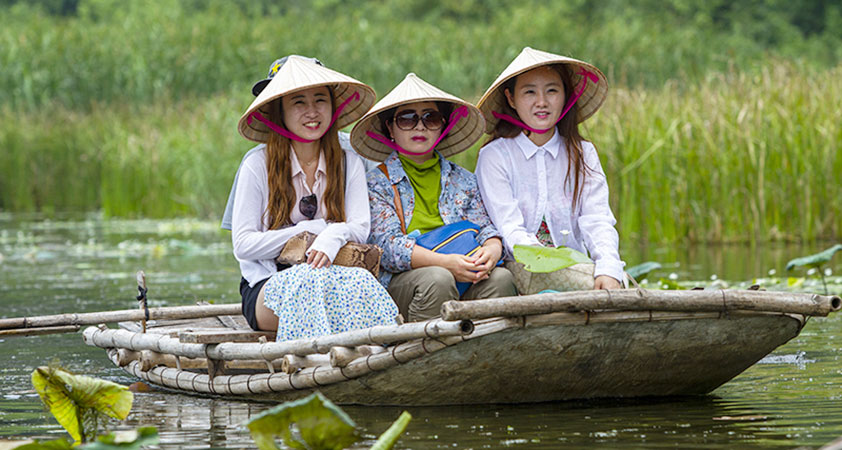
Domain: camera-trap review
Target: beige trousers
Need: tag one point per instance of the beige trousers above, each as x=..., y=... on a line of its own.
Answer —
x=420, y=293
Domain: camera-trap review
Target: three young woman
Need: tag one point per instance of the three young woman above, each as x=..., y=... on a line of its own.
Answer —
x=542, y=184
x=302, y=180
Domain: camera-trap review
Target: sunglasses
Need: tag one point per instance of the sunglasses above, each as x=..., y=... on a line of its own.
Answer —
x=308, y=206
x=433, y=120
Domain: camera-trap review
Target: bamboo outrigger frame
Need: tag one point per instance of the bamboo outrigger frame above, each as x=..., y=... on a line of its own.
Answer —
x=521, y=349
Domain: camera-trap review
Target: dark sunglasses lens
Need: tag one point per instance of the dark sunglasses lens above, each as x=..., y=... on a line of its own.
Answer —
x=307, y=206
x=407, y=121
x=433, y=120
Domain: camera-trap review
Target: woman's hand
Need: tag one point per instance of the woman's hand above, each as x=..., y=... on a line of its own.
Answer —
x=462, y=267
x=317, y=259
x=486, y=257
x=606, y=282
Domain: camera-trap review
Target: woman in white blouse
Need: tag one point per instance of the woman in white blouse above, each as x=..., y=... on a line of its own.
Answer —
x=302, y=180
x=541, y=181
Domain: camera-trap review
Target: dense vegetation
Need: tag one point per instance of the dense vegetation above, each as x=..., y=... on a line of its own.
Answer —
x=722, y=123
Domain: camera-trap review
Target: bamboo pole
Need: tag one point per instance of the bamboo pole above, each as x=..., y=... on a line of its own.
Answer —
x=342, y=356
x=436, y=328
x=643, y=300
x=94, y=318
x=294, y=363
x=39, y=331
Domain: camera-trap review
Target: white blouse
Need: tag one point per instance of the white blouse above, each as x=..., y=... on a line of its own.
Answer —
x=256, y=247
x=521, y=184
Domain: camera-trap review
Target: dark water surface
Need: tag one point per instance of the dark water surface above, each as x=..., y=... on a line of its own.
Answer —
x=790, y=399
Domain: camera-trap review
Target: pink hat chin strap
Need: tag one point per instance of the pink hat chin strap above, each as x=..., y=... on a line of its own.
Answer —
x=587, y=75
x=455, y=117
x=289, y=134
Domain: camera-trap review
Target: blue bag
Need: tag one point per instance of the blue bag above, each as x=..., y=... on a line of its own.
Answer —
x=457, y=238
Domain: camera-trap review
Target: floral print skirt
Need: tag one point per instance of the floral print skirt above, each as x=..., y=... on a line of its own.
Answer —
x=315, y=302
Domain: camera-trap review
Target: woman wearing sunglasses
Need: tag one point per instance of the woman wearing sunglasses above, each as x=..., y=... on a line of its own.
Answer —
x=544, y=182
x=416, y=190
x=301, y=180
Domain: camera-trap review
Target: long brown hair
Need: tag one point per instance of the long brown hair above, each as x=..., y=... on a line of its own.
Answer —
x=568, y=128
x=282, y=196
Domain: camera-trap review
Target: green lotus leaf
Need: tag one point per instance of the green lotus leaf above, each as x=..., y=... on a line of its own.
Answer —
x=537, y=259
x=128, y=439
x=76, y=401
x=388, y=439
x=814, y=260
x=640, y=271
x=319, y=425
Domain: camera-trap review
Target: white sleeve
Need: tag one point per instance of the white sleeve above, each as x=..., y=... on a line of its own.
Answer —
x=357, y=215
x=250, y=242
x=495, y=185
x=596, y=221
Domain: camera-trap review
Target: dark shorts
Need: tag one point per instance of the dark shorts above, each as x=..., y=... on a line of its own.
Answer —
x=249, y=295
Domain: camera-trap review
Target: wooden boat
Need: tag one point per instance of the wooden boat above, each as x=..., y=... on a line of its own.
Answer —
x=544, y=347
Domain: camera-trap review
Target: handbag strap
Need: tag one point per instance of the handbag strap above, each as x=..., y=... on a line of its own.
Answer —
x=398, y=205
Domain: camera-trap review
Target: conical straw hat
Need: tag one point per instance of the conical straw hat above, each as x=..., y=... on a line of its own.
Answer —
x=299, y=73
x=411, y=90
x=528, y=59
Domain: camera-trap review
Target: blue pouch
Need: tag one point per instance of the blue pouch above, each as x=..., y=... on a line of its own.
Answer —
x=457, y=238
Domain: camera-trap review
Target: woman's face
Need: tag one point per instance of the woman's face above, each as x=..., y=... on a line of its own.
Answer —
x=307, y=113
x=538, y=97
x=419, y=136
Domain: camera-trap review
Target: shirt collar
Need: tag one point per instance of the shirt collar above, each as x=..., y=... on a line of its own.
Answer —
x=396, y=172
x=295, y=166
x=529, y=148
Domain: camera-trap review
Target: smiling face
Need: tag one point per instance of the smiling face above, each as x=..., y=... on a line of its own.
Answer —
x=538, y=97
x=419, y=138
x=307, y=113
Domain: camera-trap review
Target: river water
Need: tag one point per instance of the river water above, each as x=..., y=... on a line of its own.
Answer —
x=790, y=399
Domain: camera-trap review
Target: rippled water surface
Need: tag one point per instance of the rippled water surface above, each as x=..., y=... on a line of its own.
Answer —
x=791, y=398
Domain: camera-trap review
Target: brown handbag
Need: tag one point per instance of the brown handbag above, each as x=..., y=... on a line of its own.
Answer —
x=351, y=254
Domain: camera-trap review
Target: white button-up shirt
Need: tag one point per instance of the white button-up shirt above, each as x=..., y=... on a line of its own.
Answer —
x=256, y=247
x=522, y=183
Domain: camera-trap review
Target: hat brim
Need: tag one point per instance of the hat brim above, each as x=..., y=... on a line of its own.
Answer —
x=461, y=137
x=494, y=100
x=300, y=74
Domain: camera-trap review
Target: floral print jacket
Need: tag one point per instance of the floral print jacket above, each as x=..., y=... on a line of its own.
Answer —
x=459, y=200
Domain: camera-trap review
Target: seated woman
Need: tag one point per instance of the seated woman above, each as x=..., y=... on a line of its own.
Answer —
x=542, y=181
x=303, y=181
x=417, y=190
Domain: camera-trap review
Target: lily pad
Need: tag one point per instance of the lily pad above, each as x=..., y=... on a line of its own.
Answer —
x=128, y=439
x=537, y=259
x=640, y=271
x=814, y=260
x=320, y=425
x=77, y=402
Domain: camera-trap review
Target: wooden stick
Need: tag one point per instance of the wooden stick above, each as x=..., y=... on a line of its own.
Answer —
x=94, y=318
x=293, y=363
x=342, y=356
x=39, y=331
x=643, y=300
x=435, y=328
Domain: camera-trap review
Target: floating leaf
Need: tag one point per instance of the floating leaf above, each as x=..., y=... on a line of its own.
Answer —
x=388, y=439
x=320, y=423
x=670, y=284
x=793, y=282
x=58, y=444
x=76, y=401
x=640, y=271
x=538, y=259
x=814, y=260
x=129, y=439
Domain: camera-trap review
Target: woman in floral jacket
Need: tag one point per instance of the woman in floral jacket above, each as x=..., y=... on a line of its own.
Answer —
x=412, y=130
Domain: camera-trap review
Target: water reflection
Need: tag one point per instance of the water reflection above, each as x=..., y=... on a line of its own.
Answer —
x=82, y=264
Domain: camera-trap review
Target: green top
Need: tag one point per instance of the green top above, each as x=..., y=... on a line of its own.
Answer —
x=425, y=179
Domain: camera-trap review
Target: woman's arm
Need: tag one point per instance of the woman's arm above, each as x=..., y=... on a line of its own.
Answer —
x=386, y=226
x=357, y=222
x=596, y=221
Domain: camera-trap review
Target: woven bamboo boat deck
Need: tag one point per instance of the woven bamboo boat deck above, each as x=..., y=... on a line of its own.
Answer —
x=547, y=347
